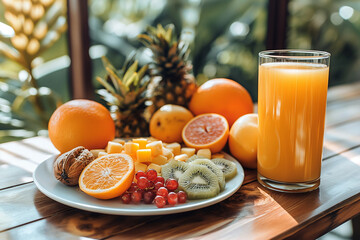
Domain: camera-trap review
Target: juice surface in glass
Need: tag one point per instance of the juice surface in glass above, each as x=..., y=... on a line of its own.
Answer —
x=291, y=108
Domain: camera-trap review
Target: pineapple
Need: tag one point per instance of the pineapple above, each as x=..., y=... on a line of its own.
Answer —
x=172, y=82
x=125, y=92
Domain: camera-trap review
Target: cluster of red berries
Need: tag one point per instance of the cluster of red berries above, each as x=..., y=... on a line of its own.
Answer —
x=151, y=188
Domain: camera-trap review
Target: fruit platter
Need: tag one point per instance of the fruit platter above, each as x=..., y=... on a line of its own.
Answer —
x=163, y=144
x=74, y=197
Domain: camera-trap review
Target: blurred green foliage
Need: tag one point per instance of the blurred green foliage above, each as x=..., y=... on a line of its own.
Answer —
x=332, y=26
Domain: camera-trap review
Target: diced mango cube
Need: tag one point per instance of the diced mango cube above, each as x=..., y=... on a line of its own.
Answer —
x=131, y=148
x=119, y=140
x=140, y=166
x=143, y=155
x=160, y=160
x=188, y=151
x=141, y=141
x=167, y=153
x=156, y=167
x=152, y=139
x=181, y=157
x=205, y=153
x=100, y=154
x=174, y=148
x=217, y=155
x=156, y=148
x=95, y=152
x=114, y=147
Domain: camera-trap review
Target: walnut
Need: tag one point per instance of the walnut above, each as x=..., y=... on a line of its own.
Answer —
x=69, y=165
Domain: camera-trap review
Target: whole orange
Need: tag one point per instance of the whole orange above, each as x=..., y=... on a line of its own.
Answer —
x=243, y=139
x=222, y=96
x=81, y=122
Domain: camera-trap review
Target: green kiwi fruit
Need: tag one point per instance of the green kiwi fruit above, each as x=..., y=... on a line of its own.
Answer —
x=227, y=167
x=214, y=168
x=192, y=158
x=199, y=182
x=173, y=169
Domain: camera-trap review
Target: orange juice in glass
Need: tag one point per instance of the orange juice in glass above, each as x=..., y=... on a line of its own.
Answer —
x=291, y=106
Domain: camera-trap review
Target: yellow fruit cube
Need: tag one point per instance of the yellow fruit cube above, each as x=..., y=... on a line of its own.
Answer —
x=95, y=152
x=140, y=166
x=156, y=148
x=188, y=151
x=152, y=139
x=154, y=166
x=181, y=157
x=119, y=140
x=217, y=155
x=174, y=148
x=205, y=153
x=131, y=148
x=141, y=141
x=160, y=160
x=143, y=155
x=100, y=154
x=167, y=153
x=114, y=147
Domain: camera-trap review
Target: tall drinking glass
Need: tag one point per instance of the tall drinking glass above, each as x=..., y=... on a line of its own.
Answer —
x=291, y=106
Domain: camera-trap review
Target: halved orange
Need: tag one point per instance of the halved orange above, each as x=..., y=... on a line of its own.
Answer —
x=209, y=130
x=108, y=176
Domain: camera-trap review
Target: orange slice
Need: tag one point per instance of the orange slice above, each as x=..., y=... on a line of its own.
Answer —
x=107, y=176
x=206, y=131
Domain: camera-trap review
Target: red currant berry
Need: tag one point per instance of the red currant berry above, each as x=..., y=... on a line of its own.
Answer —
x=126, y=198
x=158, y=185
x=140, y=174
x=151, y=174
x=142, y=182
x=171, y=184
x=136, y=196
x=150, y=185
x=149, y=197
x=182, y=197
x=172, y=198
x=160, y=201
x=162, y=192
x=159, y=179
x=133, y=187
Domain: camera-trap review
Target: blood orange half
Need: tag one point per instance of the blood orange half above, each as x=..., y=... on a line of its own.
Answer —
x=209, y=130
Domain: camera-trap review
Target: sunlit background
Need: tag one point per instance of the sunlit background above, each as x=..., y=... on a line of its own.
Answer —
x=225, y=37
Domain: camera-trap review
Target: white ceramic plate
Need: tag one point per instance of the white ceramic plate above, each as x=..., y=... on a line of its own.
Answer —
x=74, y=197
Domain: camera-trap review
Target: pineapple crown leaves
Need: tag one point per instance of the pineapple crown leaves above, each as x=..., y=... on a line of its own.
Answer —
x=124, y=87
x=169, y=52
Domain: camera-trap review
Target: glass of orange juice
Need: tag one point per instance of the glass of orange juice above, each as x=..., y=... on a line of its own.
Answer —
x=291, y=106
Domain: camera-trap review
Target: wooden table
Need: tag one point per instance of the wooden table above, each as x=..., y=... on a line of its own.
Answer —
x=251, y=213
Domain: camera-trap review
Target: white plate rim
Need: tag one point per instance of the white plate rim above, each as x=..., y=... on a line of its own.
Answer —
x=52, y=187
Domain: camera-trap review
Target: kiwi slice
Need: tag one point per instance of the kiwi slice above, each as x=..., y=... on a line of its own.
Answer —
x=173, y=169
x=192, y=158
x=227, y=167
x=199, y=182
x=215, y=169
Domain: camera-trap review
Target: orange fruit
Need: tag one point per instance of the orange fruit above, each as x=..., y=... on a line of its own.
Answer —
x=81, y=123
x=243, y=139
x=222, y=96
x=206, y=131
x=168, y=122
x=108, y=176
